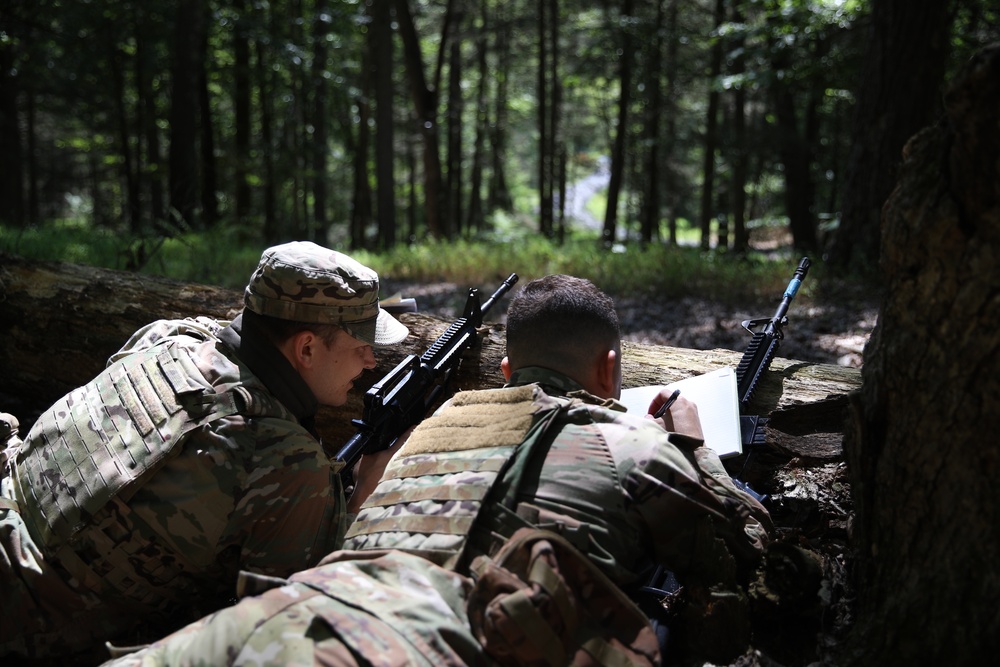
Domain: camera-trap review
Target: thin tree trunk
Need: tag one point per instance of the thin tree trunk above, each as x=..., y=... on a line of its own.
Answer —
x=321, y=135
x=618, y=166
x=544, y=145
x=133, y=211
x=425, y=101
x=741, y=239
x=455, y=108
x=183, y=158
x=241, y=111
x=209, y=167
x=711, y=132
x=361, y=213
x=670, y=179
x=381, y=54
x=650, y=215
x=151, y=167
x=272, y=231
x=475, y=220
x=12, y=165
x=499, y=197
x=557, y=180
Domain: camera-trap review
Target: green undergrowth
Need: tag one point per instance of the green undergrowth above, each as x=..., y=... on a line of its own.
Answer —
x=226, y=259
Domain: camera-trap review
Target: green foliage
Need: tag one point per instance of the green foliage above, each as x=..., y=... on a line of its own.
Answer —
x=226, y=258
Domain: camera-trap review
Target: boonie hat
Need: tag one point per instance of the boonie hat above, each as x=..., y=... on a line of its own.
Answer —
x=305, y=282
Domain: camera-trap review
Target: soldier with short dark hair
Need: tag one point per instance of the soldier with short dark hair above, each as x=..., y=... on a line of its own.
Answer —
x=135, y=500
x=510, y=523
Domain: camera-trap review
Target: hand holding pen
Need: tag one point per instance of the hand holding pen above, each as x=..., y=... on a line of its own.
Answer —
x=683, y=419
x=666, y=406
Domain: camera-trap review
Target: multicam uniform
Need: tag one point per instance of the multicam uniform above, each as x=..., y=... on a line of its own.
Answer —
x=141, y=495
x=624, y=491
x=493, y=464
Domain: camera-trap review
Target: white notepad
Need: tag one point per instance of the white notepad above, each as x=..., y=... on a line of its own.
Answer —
x=718, y=407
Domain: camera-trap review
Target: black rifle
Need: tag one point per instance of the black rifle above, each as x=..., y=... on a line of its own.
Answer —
x=767, y=334
x=403, y=398
x=766, y=337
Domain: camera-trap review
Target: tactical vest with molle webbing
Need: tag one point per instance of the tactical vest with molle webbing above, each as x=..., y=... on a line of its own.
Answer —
x=105, y=438
x=488, y=437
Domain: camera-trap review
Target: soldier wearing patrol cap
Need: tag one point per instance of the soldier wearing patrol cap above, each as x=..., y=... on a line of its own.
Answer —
x=136, y=499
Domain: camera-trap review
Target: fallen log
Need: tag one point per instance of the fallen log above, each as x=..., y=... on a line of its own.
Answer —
x=60, y=322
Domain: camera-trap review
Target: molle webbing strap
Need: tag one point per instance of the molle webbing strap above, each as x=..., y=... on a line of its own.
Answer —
x=101, y=439
x=443, y=472
x=474, y=420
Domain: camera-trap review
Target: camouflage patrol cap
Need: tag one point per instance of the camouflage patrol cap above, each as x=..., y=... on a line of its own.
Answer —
x=304, y=282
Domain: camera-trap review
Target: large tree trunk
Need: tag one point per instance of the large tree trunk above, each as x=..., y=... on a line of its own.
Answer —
x=925, y=456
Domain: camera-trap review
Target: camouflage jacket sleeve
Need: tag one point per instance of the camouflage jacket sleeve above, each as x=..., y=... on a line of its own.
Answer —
x=691, y=511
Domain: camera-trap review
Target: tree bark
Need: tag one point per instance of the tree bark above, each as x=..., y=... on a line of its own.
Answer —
x=924, y=455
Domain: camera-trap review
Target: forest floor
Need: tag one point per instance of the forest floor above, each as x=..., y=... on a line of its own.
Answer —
x=802, y=600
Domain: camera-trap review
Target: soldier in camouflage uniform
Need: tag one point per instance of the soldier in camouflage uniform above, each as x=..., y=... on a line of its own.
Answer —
x=601, y=496
x=136, y=500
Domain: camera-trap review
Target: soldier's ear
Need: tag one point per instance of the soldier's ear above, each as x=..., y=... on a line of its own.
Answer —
x=299, y=349
x=607, y=376
x=505, y=368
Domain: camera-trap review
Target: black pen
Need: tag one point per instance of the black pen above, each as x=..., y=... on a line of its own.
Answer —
x=666, y=406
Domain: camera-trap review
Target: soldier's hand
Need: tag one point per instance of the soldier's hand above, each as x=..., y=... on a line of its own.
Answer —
x=680, y=417
x=368, y=472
